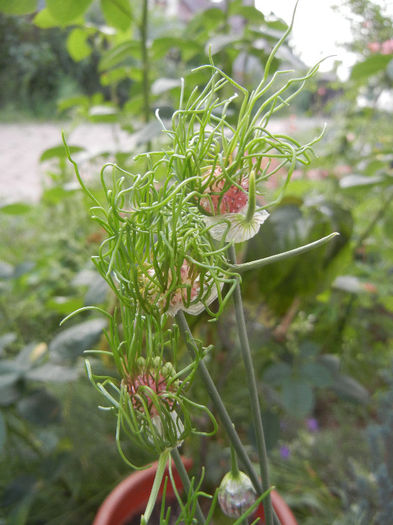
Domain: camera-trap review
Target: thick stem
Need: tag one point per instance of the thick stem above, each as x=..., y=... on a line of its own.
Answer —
x=253, y=391
x=217, y=401
x=156, y=487
x=251, y=197
x=145, y=64
x=186, y=481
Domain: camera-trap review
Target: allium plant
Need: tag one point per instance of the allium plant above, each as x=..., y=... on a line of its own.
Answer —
x=169, y=250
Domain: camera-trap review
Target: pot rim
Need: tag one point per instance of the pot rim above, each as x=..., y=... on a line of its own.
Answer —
x=132, y=494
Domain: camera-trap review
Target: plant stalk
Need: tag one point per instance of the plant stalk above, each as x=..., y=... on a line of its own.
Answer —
x=253, y=391
x=217, y=401
x=253, y=265
x=145, y=61
x=220, y=407
x=186, y=481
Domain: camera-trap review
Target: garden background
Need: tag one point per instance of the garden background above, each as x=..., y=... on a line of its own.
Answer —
x=320, y=323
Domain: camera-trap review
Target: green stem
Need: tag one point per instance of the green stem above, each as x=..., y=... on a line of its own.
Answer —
x=253, y=391
x=251, y=197
x=253, y=265
x=162, y=461
x=217, y=401
x=234, y=465
x=145, y=65
x=186, y=481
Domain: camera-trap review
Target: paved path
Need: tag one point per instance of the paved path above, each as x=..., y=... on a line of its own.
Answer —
x=21, y=145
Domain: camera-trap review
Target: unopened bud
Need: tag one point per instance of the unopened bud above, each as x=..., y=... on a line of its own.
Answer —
x=236, y=494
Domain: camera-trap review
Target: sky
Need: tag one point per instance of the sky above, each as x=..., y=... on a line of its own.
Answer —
x=318, y=30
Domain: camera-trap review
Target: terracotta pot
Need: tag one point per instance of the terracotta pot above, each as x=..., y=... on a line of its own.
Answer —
x=130, y=497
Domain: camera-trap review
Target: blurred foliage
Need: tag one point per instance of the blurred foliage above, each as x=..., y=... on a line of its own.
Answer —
x=36, y=69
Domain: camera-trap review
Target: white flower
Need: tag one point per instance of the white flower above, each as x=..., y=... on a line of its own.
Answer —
x=234, y=227
x=229, y=208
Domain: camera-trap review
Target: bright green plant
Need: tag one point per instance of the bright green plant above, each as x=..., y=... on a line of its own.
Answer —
x=170, y=248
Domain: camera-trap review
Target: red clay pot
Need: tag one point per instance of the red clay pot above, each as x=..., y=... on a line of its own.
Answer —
x=130, y=497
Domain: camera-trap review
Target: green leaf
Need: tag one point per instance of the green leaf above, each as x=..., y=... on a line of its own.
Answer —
x=162, y=45
x=51, y=372
x=278, y=25
x=103, y=114
x=3, y=432
x=17, y=208
x=114, y=76
x=371, y=66
x=316, y=374
x=64, y=305
x=77, y=45
x=72, y=342
x=69, y=102
x=40, y=408
x=297, y=397
x=45, y=20
x=18, y=7
x=278, y=373
x=219, y=42
x=207, y=20
x=119, y=53
x=250, y=13
x=59, y=152
x=67, y=11
x=117, y=13
x=56, y=195
x=309, y=349
x=348, y=388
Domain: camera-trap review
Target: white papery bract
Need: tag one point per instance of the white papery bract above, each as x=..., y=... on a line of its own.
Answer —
x=234, y=227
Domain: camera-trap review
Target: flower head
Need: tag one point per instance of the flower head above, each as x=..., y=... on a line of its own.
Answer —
x=149, y=384
x=221, y=198
x=229, y=206
x=152, y=391
x=191, y=295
